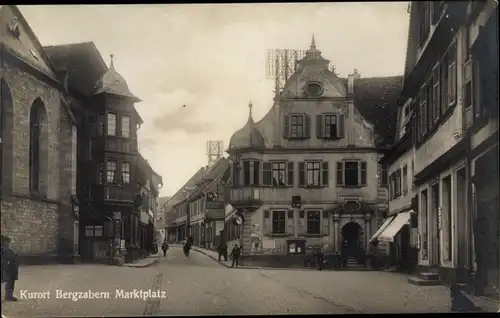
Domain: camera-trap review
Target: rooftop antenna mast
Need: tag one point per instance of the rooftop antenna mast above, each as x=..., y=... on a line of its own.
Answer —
x=281, y=64
x=215, y=150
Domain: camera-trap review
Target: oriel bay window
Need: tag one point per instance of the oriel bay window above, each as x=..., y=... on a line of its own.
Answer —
x=330, y=126
x=296, y=126
x=313, y=174
x=125, y=170
x=351, y=173
x=247, y=172
x=111, y=124
x=111, y=171
x=125, y=126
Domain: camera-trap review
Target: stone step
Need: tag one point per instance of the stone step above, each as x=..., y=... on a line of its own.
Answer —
x=428, y=276
x=422, y=282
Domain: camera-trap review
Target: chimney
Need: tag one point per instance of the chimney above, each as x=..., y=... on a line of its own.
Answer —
x=356, y=74
x=350, y=84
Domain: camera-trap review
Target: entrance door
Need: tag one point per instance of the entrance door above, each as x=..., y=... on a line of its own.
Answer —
x=461, y=220
x=351, y=239
x=435, y=235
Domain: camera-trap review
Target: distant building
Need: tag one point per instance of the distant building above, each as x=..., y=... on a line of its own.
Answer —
x=206, y=205
x=176, y=209
x=161, y=223
x=307, y=175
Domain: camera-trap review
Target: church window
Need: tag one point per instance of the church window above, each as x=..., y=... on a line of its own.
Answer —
x=37, y=120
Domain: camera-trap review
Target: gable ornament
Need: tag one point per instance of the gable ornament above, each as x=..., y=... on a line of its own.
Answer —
x=13, y=27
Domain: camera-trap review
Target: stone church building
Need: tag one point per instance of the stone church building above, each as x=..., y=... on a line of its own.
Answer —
x=307, y=174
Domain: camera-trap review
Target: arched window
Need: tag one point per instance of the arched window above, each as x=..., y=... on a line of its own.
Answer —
x=37, y=120
x=6, y=129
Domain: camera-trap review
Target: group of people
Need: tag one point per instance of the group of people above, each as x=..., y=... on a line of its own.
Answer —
x=235, y=253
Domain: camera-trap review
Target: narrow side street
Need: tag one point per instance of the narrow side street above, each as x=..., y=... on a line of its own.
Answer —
x=198, y=285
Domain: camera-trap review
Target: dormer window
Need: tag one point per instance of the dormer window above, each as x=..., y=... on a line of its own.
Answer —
x=111, y=129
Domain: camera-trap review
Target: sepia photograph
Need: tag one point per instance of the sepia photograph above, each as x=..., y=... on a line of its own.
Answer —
x=231, y=159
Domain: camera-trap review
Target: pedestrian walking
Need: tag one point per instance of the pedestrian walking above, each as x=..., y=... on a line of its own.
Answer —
x=187, y=247
x=10, y=268
x=235, y=254
x=164, y=248
x=222, y=249
x=320, y=259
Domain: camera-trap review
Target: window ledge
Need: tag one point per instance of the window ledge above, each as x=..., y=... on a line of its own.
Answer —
x=314, y=187
x=351, y=187
x=278, y=234
x=298, y=138
x=314, y=234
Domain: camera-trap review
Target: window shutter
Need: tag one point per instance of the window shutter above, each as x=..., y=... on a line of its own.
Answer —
x=341, y=126
x=267, y=229
x=319, y=126
x=379, y=174
x=302, y=174
x=362, y=173
x=324, y=173
x=307, y=126
x=302, y=223
x=290, y=228
x=325, y=224
x=340, y=173
x=290, y=174
x=267, y=179
x=286, y=126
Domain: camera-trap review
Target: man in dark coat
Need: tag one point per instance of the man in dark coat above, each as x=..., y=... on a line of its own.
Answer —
x=235, y=254
x=222, y=249
x=164, y=248
x=320, y=259
x=10, y=268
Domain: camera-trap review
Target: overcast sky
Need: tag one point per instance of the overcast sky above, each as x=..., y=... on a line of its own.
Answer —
x=212, y=58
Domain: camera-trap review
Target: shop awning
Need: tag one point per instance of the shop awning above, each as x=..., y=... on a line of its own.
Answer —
x=399, y=221
x=382, y=228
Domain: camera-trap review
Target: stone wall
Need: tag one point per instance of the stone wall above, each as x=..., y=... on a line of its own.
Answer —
x=38, y=225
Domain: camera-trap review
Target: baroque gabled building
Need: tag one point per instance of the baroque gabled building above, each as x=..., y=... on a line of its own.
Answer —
x=307, y=173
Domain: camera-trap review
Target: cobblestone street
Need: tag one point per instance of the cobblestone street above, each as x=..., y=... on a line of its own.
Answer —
x=198, y=285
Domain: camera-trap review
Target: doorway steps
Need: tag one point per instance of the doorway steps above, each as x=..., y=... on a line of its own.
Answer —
x=352, y=264
x=425, y=279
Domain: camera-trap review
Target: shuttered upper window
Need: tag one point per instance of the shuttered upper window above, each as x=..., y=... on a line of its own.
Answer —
x=351, y=173
x=330, y=126
x=296, y=126
x=313, y=174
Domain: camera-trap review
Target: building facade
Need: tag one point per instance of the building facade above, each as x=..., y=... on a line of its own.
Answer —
x=176, y=209
x=453, y=115
x=206, y=205
x=69, y=148
x=39, y=141
x=307, y=173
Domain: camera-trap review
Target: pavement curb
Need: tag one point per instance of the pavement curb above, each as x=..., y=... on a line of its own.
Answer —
x=156, y=260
